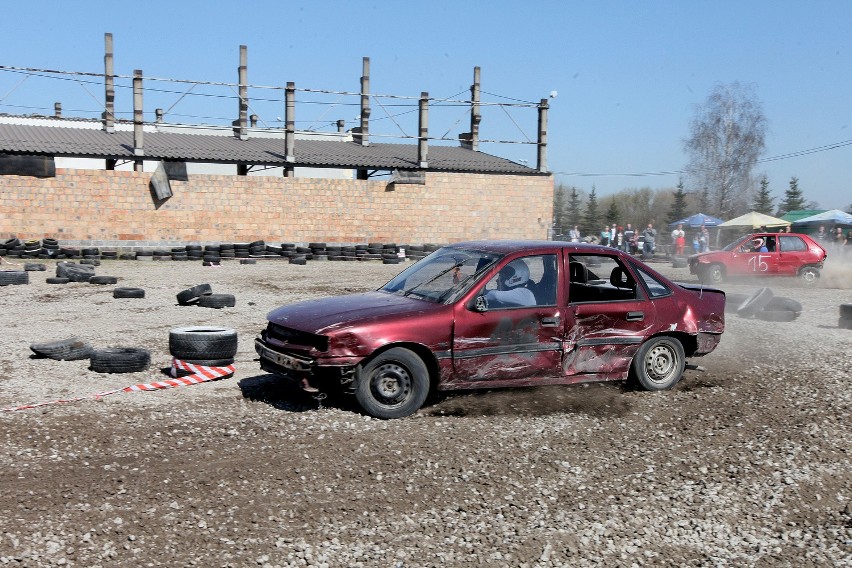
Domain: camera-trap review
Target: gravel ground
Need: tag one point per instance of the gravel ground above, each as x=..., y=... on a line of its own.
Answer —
x=746, y=464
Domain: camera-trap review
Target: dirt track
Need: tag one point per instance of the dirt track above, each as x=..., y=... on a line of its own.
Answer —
x=745, y=464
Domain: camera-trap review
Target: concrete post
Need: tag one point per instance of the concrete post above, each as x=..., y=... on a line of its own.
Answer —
x=138, y=121
x=423, y=135
x=243, y=79
x=542, y=135
x=57, y=110
x=289, y=127
x=341, y=125
x=475, y=116
x=109, y=85
x=158, y=113
x=365, y=103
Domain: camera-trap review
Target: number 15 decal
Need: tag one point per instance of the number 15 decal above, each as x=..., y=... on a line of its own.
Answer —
x=758, y=264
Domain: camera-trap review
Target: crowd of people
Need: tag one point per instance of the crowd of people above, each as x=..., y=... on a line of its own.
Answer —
x=642, y=242
x=836, y=239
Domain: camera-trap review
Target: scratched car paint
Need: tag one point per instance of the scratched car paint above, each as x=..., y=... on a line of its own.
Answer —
x=486, y=314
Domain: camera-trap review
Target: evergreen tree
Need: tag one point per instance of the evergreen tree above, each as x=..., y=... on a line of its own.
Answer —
x=612, y=213
x=793, y=198
x=678, y=210
x=763, y=201
x=591, y=218
x=573, y=214
x=559, y=221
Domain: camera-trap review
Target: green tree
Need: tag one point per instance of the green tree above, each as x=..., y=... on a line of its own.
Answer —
x=704, y=201
x=763, y=201
x=559, y=227
x=612, y=212
x=727, y=137
x=591, y=218
x=574, y=214
x=678, y=209
x=793, y=198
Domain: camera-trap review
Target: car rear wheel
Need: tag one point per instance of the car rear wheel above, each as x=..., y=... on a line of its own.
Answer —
x=809, y=274
x=659, y=363
x=392, y=385
x=712, y=274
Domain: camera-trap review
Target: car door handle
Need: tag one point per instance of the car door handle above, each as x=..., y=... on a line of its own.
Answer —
x=635, y=316
x=549, y=322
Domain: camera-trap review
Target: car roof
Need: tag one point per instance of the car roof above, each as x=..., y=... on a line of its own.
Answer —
x=509, y=246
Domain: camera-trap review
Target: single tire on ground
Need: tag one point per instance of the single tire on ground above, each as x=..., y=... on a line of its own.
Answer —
x=56, y=280
x=217, y=301
x=733, y=301
x=846, y=311
x=78, y=273
x=844, y=323
x=779, y=303
x=119, y=360
x=754, y=303
x=34, y=266
x=70, y=349
x=103, y=280
x=8, y=277
x=191, y=295
x=679, y=262
x=776, y=315
x=394, y=384
x=197, y=343
x=123, y=292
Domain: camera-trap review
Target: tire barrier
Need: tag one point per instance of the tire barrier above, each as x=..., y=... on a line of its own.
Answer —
x=119, y=360
x=191, y=295
x=123, y=292
x=202, y=343
x=12, y=277
x=217, y=301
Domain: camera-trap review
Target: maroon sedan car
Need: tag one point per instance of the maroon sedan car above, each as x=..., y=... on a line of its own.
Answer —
x=761, y=254
x=496, y=314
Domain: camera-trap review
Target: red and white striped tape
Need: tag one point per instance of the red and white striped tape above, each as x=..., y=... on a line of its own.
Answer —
x=200, y=374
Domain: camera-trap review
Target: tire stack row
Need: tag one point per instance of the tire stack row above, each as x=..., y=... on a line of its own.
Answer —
x=107, y=360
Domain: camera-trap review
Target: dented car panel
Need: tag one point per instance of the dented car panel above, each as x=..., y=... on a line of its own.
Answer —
x=575, y=313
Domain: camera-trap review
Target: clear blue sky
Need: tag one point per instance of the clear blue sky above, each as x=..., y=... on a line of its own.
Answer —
x=628, y=74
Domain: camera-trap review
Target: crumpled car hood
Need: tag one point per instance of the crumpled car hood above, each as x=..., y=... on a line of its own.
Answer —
x=323, y=315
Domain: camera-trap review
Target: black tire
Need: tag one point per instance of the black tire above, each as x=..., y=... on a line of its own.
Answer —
x=211, y=362
x=844, y=323
x=217, y=301
x=103, y=280
x=776, y=315
x=34, y=266
x=56, y=280
x=809, y=274
x=712, y=274
x=197, y=343
x=394, y=384
x=119, y=360
x=679, y=262
x=298, y=260
x=754, y=303
x=248, y=261
x=659, y=363
x=70, y=349
x=846, y=311
x=191, y=295
x=779, y=303
x=128, y=293
x=8, y=277
x=77, y=272
x=733, y=302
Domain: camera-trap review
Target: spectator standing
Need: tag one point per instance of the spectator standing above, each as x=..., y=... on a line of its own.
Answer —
x=605, y=236
x=629, y=239
x=613, y=232
x=649, y=236
x=679, y=240
x=704, y=239
x=821, y=234
x=574, y=234
x=619, y=238
x=839, y=239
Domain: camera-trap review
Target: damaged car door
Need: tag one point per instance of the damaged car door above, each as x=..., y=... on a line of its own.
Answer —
x=510, y=331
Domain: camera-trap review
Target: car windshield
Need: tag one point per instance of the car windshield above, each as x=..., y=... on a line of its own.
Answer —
x=732, y=245
x=442, y=276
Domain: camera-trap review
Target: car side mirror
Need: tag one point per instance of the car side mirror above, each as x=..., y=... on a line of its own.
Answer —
x=480, y=304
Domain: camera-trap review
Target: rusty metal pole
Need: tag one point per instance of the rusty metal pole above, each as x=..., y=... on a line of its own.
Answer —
x=109, y=85
x=423, y=135
x=475, y=116
x=542, y=135
x=138, y=121
x=289, y=128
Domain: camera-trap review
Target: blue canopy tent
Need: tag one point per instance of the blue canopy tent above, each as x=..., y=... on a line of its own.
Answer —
x=694, y=221
x=833, y=217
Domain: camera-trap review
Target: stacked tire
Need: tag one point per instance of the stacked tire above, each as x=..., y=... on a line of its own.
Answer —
x=206, y=346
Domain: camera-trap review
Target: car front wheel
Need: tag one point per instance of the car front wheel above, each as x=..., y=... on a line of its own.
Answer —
x=394, y=384
x=712, y=274
x=659, y=363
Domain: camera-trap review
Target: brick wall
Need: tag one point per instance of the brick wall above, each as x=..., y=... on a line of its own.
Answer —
x=103, y=208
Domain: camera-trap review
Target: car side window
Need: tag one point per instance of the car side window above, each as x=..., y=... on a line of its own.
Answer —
x=536, y=285
x=656, y=289
x=599, y=278
x=789, y=243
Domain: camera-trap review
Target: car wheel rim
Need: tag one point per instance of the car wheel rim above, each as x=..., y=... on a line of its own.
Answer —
x=808, y=276
x=716, y=275
x=661, y=364
x=391, y=384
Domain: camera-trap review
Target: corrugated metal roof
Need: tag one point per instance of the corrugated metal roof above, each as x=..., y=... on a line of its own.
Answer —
x=88, y=143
